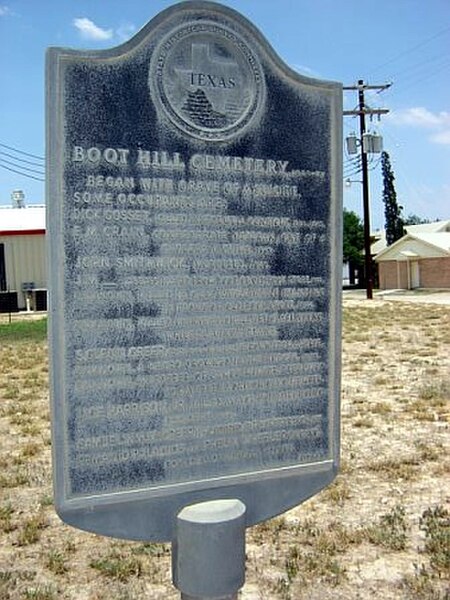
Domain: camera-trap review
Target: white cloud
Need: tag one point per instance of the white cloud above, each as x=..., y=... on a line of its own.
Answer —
x=420, y=116
x=443, y=137
x=4, y=10
x=431, y=202
x=125, y=31
x=90, y=31
x=305, y=70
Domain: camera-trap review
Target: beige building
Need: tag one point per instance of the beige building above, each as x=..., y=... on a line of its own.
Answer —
x=23, y=273
x=420, y=259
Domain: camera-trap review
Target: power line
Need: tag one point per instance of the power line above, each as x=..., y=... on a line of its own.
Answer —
x=29, y=162
x=352, y=172
x=352, y=163
x=352, y=169
x=22, y=152
x=400, y=171
x=411, y=71
x=350, y=175
x=19, y=173
x=409, y=50
x=422, y=70
x=13, y=164
x=428, y=75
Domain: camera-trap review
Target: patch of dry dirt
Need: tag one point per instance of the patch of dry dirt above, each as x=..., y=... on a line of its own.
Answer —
x=377, y=532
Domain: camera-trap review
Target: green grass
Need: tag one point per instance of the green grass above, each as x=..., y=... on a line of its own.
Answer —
x=46, y=592
x=31, y=530
x=390, y=531
x=56, y=562
x=6, y=513
x=314, y=557
x=150, y=549
x=435, y=522
x=118, y=566
x=424, y=584
x=25, y=331
x=393, y=469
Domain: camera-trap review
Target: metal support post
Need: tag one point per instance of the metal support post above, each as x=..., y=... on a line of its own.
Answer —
x=208, y=552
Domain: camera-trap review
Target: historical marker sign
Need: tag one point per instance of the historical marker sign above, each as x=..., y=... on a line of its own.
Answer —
x=195, y=262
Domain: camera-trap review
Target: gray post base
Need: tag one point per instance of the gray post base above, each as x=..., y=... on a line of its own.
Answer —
x=208, y=552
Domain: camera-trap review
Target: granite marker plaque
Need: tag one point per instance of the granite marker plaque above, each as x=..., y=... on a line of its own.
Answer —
x=194, y=218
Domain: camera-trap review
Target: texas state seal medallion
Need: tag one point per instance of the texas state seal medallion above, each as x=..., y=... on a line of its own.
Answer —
x=207, y=81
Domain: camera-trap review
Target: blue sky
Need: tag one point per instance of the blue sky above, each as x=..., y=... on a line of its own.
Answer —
x=403, y=41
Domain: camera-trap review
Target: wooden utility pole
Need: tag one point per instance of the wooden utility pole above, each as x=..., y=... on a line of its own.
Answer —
x=362, y=111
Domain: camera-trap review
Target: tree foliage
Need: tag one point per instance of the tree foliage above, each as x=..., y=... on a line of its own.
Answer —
x=394, y=224
x=353, y=238
x=413, y=219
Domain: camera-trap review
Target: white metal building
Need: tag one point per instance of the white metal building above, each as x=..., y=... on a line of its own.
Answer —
x=23, y=255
